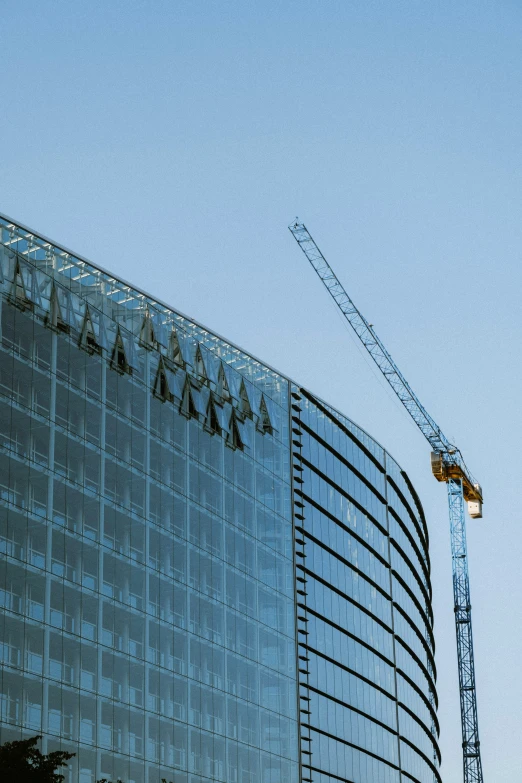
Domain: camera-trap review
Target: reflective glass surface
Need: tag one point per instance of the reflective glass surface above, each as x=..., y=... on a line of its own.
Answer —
x=366, y=665
x=146, y=548
x=205, y=572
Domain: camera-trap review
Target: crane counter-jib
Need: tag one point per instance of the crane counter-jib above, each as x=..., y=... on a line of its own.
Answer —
x=446, y=469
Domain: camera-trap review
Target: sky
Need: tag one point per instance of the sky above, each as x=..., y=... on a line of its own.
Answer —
x=172, y=142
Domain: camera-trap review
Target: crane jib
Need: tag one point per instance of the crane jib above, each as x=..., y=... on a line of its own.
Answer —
x=447, y=466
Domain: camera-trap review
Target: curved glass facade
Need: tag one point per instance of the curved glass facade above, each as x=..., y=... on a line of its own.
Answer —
x=365, y=639
x=206, y=574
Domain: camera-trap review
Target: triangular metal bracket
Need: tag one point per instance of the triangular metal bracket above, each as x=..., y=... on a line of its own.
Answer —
x=264, y=423
x=161, y=388
x=147, y=336
x=119, y=358
x=18, y=294
x=88, y=339
x=200, y=365
x=175, y=353
x=188, y=407
x=212, y=420
x=54, y=318
x=244, y=400
x=235, y=435
x=223, y=388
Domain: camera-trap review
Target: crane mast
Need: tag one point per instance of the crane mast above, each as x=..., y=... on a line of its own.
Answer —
x=448, y=466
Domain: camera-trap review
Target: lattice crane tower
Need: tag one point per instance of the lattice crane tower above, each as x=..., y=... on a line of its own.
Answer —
x=448, y=466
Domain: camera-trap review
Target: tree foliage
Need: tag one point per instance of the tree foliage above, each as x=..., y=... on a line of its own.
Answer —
x=22, y=762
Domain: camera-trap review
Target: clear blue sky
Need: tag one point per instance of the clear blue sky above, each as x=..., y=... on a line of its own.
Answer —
x=173, y=141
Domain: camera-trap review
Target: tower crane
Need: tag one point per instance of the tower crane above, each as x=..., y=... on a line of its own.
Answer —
x=448, y=466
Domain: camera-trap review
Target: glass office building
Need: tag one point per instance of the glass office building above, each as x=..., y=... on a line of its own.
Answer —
x=206, y=573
